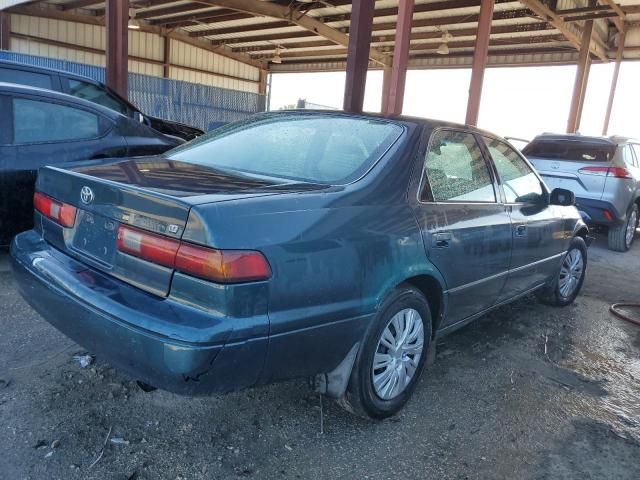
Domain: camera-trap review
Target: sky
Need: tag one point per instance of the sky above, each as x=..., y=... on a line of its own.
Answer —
x=516, y=101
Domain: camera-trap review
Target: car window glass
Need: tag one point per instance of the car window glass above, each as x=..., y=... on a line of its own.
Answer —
x=518, y=180
x=329, y=149
x=21, y=77
x=456, y=170
x=636, y=149
x=36, y=121
x=95, y=94
x=628, y=156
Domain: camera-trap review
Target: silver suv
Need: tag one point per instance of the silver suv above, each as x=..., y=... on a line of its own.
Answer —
x=604, y=174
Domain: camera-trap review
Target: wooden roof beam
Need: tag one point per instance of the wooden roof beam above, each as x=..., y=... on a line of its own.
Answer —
x=619, y=20
x=427, y=22
x=572, y=36
x=259, y=8
x=378, y=38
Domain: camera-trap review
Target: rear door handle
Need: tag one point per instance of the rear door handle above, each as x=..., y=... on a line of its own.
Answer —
x=521, y=231
x=441, y=240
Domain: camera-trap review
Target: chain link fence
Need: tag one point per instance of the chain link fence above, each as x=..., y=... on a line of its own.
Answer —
x=201, y=106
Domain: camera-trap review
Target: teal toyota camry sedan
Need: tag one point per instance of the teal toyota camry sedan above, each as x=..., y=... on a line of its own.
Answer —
x=326, y=245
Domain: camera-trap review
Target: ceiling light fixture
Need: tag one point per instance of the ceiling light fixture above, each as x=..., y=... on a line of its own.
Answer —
x=443, y=49
x=276, y=56
x=133, y=23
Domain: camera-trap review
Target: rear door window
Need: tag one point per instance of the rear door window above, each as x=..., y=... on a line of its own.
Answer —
x=456, y=170
x=23, y=77
x=627, y=155
x=95, y=94
x=520, y=183
x=636, y=149
x=35, y=121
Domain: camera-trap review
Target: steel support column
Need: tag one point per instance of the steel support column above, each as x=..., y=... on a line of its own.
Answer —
x=479, y=61
x=386, y=85
x=5, y=30
x=398, y=77
x=117, y=18
x=582, y=76
x=614, y=82
x=358, y=54
x=166, y=57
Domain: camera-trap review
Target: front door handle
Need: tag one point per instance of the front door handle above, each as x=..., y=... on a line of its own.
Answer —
x=441, y=240
x=521, y=231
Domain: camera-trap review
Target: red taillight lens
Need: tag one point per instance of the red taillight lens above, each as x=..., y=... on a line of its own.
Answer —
x=617, y=172
x=147, y=246
x=223, y=266
x=59, y=212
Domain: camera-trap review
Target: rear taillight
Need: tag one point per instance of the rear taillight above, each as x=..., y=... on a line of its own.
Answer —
x=222, y=266
x=59, y=212
x=147, y=246
x=225, y=266
x=617, y=172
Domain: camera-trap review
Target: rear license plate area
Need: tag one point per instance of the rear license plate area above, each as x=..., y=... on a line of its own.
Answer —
x=95, y=236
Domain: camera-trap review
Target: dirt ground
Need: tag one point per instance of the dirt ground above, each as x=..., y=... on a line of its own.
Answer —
x=494, y=405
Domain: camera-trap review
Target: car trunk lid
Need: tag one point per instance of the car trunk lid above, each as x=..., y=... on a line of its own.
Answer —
x=151, y=195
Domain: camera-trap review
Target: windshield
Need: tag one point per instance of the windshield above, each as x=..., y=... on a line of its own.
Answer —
x=327, y=149
x=569, y=150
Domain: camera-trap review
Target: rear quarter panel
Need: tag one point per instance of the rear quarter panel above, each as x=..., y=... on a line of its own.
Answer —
x=334, y=254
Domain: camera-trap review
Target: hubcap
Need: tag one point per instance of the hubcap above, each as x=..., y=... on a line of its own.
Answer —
x=398, y=354
x=631, y=227
x=571, y=272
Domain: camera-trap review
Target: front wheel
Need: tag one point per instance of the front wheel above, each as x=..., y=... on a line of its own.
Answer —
x=392, y=356
x=621, y=237
x=568, y=281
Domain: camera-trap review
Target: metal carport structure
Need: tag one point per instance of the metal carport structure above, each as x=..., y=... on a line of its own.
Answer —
x=392, y=35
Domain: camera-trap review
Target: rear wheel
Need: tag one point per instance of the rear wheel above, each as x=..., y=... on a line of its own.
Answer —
x=392, y=356
x=621, y=237
x=568, y=281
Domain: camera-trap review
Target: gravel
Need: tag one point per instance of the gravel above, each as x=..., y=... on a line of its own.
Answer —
x=493, y=406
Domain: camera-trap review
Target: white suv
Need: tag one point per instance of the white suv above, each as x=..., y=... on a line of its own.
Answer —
x=604, y=174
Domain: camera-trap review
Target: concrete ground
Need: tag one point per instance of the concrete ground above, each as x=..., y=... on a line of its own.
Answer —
x=528, y=392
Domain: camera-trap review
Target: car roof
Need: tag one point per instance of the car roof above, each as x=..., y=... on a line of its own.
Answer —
x=14, y=88
x=407, y=119
x=588, y=139
x=35, y=68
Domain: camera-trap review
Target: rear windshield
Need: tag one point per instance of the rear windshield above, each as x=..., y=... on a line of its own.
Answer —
x=327, y=149
x=569, y=150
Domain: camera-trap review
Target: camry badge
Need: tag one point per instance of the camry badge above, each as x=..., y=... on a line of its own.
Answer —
x=86, y=195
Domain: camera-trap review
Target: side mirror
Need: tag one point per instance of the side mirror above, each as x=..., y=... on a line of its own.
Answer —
x=562, y=197
x=138, y=117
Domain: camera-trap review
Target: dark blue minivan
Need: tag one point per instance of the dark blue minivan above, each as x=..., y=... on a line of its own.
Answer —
x=296, y=244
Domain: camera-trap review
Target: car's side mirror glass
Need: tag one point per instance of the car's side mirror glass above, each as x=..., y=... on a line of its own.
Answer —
x=562, y=197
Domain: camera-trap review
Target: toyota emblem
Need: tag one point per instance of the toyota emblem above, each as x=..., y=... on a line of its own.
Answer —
x=86, y=195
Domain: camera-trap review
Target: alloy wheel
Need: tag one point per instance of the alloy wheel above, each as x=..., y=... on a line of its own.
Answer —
x=631, y=227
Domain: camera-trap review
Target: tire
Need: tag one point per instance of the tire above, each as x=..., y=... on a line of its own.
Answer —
x=363, y=397
x=556, y=293
x=621, y=237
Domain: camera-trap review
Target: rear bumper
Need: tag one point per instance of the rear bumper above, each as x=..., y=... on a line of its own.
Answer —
x=145, y=336
x=593, y=212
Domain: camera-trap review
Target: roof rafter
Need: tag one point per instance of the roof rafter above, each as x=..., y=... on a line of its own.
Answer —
x=256, y=7
x=572, y=36
x=53, y=13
